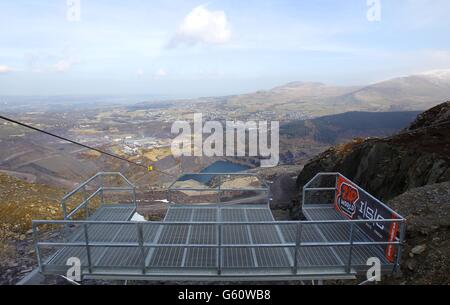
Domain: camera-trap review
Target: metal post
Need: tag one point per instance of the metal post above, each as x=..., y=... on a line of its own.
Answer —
x=64, y=208
x=102, y=198
x=134, y=197
x=219, y=249
x=36, y=247
x=65, y=228
x=141, y=245
x=335, y=188
x=303, y=197
x=350, y=250
x=86, y=203
x=401, y=240
x=218, y=190
x=88, y=250
x=298, y=240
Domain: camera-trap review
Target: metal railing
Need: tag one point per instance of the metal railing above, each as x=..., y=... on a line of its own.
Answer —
x=298, y=244
x=97, y=183
x=395, y=217
x=307, y=188
x=291, y=234
x=264, y=189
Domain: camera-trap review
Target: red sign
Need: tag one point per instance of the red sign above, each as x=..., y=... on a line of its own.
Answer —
x=347, y=196
x=354, y=203
x=390, y=249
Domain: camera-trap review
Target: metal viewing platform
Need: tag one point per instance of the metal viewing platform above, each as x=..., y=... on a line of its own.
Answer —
x=230, y=236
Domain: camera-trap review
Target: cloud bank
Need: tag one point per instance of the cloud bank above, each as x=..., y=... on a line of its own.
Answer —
x=202, y=25
x=5, y=69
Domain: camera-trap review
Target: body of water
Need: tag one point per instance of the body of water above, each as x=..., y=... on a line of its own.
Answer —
x=216, y=167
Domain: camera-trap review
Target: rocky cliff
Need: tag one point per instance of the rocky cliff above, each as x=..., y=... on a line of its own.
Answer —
x=387, y=167
x=411, y=171
x=426, y=255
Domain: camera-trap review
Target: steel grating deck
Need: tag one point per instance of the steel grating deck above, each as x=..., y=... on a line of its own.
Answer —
x=340, y=233
x=221, y=242
x=231, y=235
x=172, y=258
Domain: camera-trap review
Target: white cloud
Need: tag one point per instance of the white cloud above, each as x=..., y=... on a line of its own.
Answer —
x=412, y=62
x=202, y=25
x=418, y=61
x=63, y=65
x=6, y=69
x=48, y=62
x=140, y=72
x=160, y=73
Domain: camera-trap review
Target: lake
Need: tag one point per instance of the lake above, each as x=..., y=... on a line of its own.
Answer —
x=216, y=167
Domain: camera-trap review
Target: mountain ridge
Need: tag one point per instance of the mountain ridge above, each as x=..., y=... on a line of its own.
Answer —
x=406, y=93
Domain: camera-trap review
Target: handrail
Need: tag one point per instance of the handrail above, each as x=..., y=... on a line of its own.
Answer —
x=395, y=218
x=82, y=186
x=219, y=175
x=264, y=188
x=307, y=188
x=174, y=223
x=214, y=245
x=219, y=244
x=76, y=189
x=318, y=175
x=219, y=189
x=85, y=202
x=140, y=243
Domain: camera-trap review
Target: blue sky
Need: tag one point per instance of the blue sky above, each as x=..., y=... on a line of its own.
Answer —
x=190, y=48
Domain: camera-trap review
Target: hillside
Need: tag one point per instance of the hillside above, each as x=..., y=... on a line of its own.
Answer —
x=46, y=160
x=407, y=93
x=387, y=167
x=20, y=203
x=333, y=129
x=306, y=97
x=300, y=140
x=413, y=92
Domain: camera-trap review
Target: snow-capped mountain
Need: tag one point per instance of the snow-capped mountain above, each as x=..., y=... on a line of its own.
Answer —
x=437, y=75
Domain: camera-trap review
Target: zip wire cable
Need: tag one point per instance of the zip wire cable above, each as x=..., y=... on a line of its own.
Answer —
x=148, y=168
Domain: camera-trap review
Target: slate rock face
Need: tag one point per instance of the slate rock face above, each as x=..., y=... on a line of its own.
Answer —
x=283, y=191
x=411, y=172
x=426, y=254
x=387, y=167
x=435, y=115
